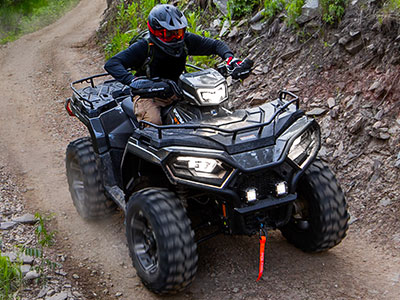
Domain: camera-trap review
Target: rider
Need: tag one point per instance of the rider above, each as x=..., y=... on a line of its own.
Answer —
x=163, y=55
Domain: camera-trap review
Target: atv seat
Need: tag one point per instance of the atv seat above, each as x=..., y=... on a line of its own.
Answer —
x=127, y=106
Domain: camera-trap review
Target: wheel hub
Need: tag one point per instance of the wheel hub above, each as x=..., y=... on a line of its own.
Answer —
x=145, y=243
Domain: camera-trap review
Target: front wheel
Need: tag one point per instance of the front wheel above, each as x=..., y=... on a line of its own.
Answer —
x=161, y=241
x=320, y=218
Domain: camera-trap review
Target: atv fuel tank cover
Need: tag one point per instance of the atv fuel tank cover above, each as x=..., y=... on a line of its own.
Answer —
x=201, y=79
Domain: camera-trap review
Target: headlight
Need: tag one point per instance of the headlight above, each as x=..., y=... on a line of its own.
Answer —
x=213, y=96
x=200, y=169
x=304, y=147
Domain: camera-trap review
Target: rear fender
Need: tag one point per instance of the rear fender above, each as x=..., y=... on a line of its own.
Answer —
x=96, y=130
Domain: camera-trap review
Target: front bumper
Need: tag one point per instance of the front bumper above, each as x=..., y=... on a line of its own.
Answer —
x=266, y=203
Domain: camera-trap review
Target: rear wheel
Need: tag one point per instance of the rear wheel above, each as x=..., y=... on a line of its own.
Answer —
x=161, y=241
x=319, y=220
x=85, y=186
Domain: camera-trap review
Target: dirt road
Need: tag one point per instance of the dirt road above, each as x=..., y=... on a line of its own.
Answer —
x=34, y=132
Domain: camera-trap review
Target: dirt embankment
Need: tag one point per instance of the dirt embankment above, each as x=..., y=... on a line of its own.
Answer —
x=34, y=131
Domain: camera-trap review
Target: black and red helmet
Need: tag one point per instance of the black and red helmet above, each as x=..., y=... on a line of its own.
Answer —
x=167, y=26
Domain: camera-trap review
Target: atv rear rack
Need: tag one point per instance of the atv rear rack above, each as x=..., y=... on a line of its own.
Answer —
x=280, y=109
x=90, y=80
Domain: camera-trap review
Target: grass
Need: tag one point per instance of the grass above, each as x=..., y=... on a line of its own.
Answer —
x=10, y=272
x=21, y=17
x=10, y=278
x=392, y=7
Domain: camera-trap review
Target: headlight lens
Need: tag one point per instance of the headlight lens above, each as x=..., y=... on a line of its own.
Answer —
x=213, y=96
x=200, y=169
x=304, y=147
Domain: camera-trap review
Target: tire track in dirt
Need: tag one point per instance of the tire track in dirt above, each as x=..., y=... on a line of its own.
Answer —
x=34, y=132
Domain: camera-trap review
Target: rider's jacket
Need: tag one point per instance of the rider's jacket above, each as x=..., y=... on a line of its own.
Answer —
x=161, y=64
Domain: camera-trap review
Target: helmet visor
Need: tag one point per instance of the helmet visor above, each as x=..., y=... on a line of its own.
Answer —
x=168, y=35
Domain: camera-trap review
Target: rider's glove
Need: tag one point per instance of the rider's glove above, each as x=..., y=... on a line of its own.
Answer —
x=239, y=69
x=151, y=88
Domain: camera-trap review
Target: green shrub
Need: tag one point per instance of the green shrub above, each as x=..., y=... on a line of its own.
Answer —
x=240, y=8
x=24, y=16
x=333, y=10
x=273, y=7
x=130, y=20
x=194, y=26
x=293, y=10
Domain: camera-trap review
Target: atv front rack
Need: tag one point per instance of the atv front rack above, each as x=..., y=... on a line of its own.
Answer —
x=280, y=109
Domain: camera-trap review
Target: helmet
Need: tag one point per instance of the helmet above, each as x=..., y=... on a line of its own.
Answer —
x=167, y=26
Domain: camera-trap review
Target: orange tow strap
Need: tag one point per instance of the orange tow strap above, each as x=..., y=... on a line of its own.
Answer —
x=263, y=240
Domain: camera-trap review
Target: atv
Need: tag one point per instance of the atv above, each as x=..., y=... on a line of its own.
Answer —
x=207, y=170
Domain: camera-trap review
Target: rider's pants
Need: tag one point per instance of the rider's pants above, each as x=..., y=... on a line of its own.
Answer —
x=149, y=109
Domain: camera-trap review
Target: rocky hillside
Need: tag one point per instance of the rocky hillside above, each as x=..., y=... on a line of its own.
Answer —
x=347, y=78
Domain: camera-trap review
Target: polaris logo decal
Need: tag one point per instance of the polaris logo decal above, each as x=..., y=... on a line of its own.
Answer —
x=178, y=116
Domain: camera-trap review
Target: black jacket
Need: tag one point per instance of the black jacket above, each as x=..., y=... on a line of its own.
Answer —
x=162, y=65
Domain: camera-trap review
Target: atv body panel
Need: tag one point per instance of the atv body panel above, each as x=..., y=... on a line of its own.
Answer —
x=252, y=144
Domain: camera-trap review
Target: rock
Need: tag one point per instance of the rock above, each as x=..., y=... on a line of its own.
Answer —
x=75, y=276
x=379, y=115
x=331, y=102
x=119, y=294
x=234, y=32
x=76, y=294
x=377, y=125
x=25, y=219
x=309, y=11
x=241, y=22
x=351, y=102
x=316, y=112
x=225, y=28
x=222, y=6
x=26, y=259
x=334, y=113
x=61, y=272
x=257, y=27
x=257, y=17
x=397, y=163
x=216, y=23
x=356, y=124
x=290, y=54
x=374, y=86
x=7, y=225
x=25, y=269
x=355, y=34
x=352, y=219
x=59, y=296
x=235, y=290
x=383, y=136
x=43, y=292
x=385, y=202
x=11, y=256
x=355, y=46
x=344, y=40
x=31, y=275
